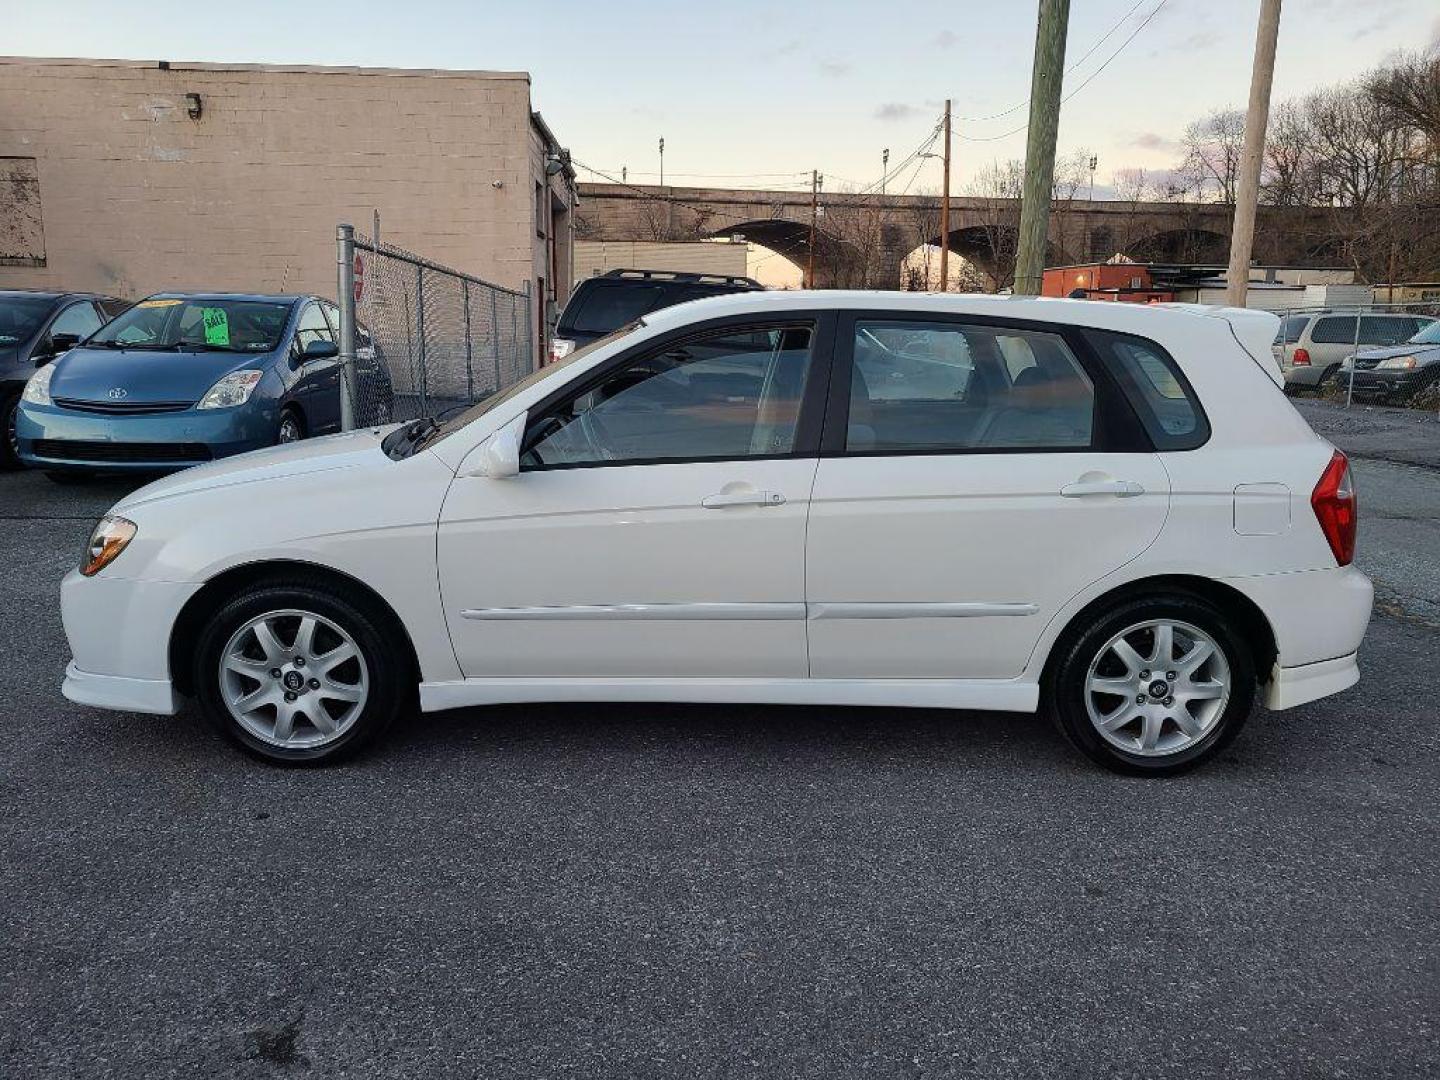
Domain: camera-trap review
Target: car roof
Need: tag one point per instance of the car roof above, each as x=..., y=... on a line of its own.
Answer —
x=57, y=294
x=280, y=298
x=1141, y=319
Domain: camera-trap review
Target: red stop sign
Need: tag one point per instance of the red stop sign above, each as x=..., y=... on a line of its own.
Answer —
x=359, y=277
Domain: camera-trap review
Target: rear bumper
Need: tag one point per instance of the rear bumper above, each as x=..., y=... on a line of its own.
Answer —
x=58, y=439
x=1293, y=686
x=120, y=692
x=1317, y=616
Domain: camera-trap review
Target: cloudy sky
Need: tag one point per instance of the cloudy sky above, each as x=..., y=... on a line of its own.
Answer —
x=756, y=92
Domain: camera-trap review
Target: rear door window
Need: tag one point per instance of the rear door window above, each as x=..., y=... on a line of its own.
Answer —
x=1380, y=330
x=1334, y=330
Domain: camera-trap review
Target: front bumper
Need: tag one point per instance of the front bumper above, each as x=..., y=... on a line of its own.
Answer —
x=120, y=692
x=119, y=634
x=1377, y=383
x=57, y=439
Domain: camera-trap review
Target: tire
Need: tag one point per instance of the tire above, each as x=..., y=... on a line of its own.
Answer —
x=376, y=683
x=291, y=427
x=9, y=459
x=1325, y=377
x=1210, y=721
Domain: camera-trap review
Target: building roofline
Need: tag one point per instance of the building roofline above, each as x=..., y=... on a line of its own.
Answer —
x=303, y=69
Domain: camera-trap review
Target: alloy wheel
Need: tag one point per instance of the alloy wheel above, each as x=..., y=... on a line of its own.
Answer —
x=289, y=430
x=293, y=679
x=1157, y=687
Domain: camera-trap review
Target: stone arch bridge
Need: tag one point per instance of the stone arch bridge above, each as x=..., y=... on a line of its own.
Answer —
x=863, y=240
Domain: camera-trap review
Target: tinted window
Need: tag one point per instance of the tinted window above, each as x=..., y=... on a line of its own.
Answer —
x=1385, y=331
x=1291, y=329
x=79, y=319
x=1152, y=382
x=919, y=386
x=607, y=305
x=734, y=394
x=1334, y=330
x=21, y=316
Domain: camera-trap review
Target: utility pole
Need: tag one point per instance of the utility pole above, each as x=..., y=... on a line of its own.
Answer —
x=662, y=160
x=624, y=174
x=814, y=214
x=945, y=209
x=1045, y=85
x=1094, y=160
x=1252, y=155
x=884, y=168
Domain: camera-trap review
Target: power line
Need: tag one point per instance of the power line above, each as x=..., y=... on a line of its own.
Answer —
x=1088, y=53
x=1084, y=83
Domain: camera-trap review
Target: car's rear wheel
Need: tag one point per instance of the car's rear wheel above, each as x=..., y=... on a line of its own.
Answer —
x=9, y=441
x=1154, y=686
x=291, y=427
x=298, y=674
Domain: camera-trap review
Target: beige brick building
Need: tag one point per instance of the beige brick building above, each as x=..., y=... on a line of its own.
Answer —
x=128, y=177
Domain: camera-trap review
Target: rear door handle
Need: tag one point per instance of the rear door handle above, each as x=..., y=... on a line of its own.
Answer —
x=721, y=499
x=1124, y=489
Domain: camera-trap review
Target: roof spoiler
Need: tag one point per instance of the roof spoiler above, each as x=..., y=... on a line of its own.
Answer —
x=1254, y=330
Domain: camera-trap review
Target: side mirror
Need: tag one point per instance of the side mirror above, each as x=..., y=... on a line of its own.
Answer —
x=57, y=344
x=320, y=349
x=499, y=455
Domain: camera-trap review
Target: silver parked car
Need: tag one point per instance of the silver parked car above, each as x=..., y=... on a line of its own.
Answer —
x=1311, y=346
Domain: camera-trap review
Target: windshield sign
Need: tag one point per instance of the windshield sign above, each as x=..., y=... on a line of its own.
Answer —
x=197, y=325
x=21, y=316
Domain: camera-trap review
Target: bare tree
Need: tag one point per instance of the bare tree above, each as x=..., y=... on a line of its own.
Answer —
x=1212, y=154
x=998, y=186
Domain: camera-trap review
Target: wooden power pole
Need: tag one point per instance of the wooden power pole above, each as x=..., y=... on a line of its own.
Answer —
x=1252, y=155
x=945, y=210
x=814, y=213
x=1045, y=84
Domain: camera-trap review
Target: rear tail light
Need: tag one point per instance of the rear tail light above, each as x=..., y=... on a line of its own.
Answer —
x=1300, y=358
x=1336, y=508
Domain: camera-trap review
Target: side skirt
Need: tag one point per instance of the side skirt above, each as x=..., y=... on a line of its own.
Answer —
x=1001, y=695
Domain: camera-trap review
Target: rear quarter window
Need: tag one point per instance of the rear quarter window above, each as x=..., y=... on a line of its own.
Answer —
x=1156, y=389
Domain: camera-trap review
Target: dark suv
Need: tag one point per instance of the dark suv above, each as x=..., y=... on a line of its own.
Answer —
x=602, y=304
x=36, y=327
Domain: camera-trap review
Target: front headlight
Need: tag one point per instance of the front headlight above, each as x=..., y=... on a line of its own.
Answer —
x=1399, y=363
x=109, y=539
x=233, y=389
x=37, y=390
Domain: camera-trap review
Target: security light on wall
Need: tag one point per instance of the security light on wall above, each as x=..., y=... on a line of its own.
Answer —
x=194, y=106
x=554, y=165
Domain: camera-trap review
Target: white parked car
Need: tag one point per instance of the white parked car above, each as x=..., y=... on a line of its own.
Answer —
x=1105, y=510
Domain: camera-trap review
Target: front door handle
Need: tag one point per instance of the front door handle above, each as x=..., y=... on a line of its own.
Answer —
x=721, y=499
x=1124, y=489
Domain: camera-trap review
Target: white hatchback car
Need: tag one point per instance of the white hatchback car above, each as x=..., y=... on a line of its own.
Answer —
x=810, y=498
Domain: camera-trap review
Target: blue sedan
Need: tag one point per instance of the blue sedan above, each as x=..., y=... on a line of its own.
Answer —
x=182, y=378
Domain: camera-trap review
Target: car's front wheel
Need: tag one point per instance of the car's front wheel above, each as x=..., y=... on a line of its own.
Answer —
x=298, y=674
x=291, y=428
x=1154, y=686
x=10, y=444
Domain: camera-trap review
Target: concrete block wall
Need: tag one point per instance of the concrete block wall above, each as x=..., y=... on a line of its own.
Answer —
x=137, y=197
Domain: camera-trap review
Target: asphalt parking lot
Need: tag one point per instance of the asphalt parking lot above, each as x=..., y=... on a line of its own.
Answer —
x=664, y=891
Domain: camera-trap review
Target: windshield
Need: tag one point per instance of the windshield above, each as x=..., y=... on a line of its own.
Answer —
x=449, y=425
x=185, y=324
x=1429, y=336
x=21, y=316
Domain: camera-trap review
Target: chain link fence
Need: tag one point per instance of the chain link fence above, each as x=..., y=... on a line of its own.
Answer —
x=1360, y=351
x=427, y=339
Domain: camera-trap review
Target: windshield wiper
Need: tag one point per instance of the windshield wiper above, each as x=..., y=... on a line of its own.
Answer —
x=138, y=346
x=205, y=346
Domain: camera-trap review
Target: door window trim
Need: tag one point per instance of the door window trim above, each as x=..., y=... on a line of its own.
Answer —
x=1116, y=428
x=808, y=425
